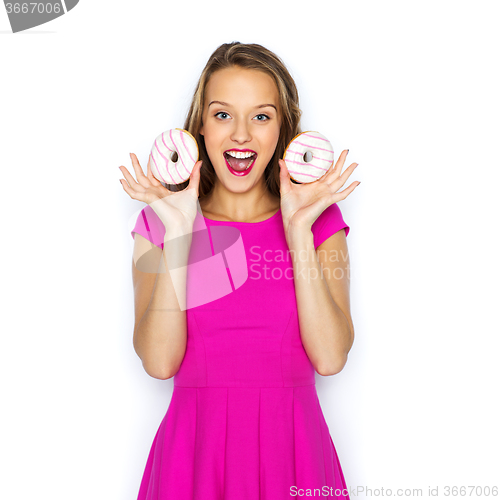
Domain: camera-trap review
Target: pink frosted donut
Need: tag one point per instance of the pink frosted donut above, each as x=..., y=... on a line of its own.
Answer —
x=308, y=156
x=173, y=156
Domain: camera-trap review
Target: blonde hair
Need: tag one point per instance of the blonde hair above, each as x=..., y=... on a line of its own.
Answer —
x=250, y=56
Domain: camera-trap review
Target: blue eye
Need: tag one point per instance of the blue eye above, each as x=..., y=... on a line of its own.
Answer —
x=263, y=120
x=221, y=113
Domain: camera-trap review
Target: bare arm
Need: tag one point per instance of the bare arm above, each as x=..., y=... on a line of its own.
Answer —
x=326, y=328
x=160, y=311
x=160, y=323
x=322, y=291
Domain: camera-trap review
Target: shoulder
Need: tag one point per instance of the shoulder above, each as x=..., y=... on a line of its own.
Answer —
x=327, y=224
x=149, y=226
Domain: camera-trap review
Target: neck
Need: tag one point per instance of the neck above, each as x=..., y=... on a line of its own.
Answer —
x=246, y=206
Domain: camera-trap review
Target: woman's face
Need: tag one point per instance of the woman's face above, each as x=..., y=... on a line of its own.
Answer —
x=240, y=119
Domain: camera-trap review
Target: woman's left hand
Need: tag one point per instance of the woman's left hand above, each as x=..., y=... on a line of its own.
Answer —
x=302, y=204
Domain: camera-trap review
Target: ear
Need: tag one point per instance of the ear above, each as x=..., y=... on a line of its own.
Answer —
x=201, y=131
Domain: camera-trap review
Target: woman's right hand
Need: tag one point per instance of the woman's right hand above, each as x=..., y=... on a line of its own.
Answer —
x=176, y=209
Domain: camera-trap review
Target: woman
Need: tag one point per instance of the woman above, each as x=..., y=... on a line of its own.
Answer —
x=244, y=421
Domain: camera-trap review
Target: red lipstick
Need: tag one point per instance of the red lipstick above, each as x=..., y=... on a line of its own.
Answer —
x=238, y=166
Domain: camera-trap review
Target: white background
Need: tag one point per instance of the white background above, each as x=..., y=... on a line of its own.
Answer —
x=411, y=88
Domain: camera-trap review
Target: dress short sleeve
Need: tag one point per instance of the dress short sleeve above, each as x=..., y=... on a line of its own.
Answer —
x=327, y=224
x=150, y=226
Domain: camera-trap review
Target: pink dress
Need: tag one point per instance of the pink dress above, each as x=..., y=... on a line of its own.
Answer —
x=244, y=421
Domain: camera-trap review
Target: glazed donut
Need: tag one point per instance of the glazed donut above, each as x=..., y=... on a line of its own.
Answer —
x=308, y=156
x=173, y=156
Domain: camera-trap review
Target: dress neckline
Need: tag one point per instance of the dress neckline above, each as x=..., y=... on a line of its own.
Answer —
x=251, y=223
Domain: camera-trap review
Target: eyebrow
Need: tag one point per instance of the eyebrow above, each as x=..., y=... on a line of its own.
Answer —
x=256, y=107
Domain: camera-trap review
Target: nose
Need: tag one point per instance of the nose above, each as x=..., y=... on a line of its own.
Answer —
x=240, y=133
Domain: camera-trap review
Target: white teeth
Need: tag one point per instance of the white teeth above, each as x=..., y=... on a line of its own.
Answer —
x=249, y=165
x=238, y=154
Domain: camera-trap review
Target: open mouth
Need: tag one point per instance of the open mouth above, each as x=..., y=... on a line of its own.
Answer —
x=240, y=162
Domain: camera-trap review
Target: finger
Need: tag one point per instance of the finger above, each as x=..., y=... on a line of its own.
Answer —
x=342, y=195
x=128, y=189
x=285, y=182
x=137, y=167
x=194, y=178
x=347, y=173
x=334, y=173
x=325, y=177
x=144, y=181
x=150, y=175
x=130, y=179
